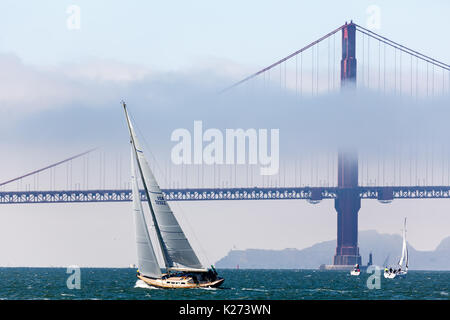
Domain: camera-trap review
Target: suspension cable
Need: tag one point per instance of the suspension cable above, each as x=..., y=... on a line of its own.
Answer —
x=402, y=48
x=285, y=58
x=47, y=167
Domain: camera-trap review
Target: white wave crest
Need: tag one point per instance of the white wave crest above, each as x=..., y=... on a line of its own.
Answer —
x=142, y=284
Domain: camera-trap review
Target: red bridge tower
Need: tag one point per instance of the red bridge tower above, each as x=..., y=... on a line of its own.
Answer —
x=348, y=201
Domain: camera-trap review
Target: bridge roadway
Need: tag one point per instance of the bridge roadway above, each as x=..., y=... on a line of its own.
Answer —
x=312, y=194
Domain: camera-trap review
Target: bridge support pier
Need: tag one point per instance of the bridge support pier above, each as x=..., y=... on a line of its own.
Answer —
x=347, y=206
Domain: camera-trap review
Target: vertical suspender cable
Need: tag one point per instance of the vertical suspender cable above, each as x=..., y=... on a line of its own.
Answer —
x=368, y=62
x=312, y=71
x=379, y=65
x=317, y=70
x=296, y=77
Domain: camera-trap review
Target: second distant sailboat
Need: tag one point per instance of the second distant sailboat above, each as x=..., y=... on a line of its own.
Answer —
x=391, y=273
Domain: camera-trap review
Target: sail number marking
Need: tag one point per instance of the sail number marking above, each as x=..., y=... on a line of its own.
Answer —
x=160, y=200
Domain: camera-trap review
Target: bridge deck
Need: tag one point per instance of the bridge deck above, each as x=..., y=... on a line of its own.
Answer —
x=305, y=193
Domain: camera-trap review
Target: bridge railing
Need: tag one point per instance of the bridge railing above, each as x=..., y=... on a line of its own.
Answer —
x=311, y=194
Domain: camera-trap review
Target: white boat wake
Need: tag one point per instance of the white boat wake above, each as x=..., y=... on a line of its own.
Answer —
x=207, y=288
x=254, y=289
x=142, y=284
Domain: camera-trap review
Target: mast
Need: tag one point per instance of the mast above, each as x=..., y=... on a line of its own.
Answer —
x=167, y=261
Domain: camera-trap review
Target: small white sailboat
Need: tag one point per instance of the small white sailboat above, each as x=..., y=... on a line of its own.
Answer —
x=356, y=271
x=183, y=268
x=400, y=271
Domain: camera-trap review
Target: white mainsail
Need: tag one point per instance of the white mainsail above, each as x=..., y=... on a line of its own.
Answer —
x=147, y=261
x=175, y=248
x=404, y=257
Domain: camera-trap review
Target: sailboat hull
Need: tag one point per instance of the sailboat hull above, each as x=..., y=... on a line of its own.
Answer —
x=390, y=275
x=180, y=282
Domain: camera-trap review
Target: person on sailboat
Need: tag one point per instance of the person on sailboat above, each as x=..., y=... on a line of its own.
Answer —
x=356, y=268
x=210, y=276
x=214, y=270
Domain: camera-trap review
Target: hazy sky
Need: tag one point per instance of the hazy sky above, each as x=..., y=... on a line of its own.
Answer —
x=60, y=91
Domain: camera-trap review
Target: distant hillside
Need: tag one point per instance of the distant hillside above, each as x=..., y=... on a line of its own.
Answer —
x=383, y=247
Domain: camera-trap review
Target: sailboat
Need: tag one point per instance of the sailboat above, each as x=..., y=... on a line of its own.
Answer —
x=355, y=271
x=391, y=274
x=183, y=268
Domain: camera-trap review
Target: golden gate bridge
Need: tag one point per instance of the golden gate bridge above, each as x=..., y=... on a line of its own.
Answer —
x=349, y=56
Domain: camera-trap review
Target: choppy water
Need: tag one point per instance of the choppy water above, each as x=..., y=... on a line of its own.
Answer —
x=50, y=283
